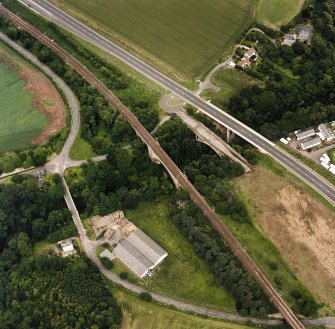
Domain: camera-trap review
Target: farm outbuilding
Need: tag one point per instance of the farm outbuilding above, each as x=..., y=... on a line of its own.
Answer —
x=305, y=134
x=140, y=253
x=311, y=143
x=327, y=133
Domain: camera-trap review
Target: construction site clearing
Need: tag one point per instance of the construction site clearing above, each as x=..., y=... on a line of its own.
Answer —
x=131, y=245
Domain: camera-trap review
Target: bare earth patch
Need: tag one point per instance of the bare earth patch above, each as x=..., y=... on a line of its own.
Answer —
x=46, y=97
x=302, y=228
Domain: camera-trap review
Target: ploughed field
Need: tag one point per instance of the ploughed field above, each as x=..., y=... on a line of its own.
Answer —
x=31, y=108
x=180, y=37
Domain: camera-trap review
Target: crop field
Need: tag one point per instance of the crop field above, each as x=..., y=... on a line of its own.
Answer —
x=20, y=123
x=183, y=38
x=274, y=13
x=31, y=108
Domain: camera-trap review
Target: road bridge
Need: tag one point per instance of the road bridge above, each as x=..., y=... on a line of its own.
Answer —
x=315, y=181
x=197, y=198
x=208, y=137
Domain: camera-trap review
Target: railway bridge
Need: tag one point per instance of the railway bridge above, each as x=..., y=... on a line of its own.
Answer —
x=172, y=168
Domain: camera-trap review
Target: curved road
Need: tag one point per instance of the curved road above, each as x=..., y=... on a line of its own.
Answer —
x=311, y=178
x=87, y=244
x=171, y=167
x=177, y=175
x=70, y=96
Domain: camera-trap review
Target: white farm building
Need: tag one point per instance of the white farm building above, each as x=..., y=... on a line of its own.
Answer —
x=311, y=143
x=305, y=134
x=139, y=252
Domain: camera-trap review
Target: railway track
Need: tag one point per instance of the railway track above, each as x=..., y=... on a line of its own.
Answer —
x=147, y=138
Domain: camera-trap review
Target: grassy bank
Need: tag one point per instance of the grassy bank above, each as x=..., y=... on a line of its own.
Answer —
x=230, y=82
x=182, y=274
x=138, y=315
x=81, y=149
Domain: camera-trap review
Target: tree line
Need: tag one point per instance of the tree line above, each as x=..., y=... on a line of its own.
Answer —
x=126, y=178
x=96, y=113
x=54, y=292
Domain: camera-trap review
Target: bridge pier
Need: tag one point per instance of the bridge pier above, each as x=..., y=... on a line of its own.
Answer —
x=155, y=159
x=230, y=135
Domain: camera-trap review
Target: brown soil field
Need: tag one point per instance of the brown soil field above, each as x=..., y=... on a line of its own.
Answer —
x=302, y=228
x=46, y=97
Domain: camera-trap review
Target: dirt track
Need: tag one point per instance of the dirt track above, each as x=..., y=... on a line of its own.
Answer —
x=46, y=97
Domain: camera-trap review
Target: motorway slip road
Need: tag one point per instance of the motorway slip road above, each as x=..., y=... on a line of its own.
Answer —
x=306, y=174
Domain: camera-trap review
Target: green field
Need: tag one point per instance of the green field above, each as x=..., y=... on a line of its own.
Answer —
x=180, y=37
x=81, y=149
x=139, y=315
x=275, y=13
x=20, y=122
x=182, y=275
x=230, y=82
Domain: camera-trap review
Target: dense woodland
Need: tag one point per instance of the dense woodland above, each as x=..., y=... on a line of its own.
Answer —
x=43, y=291
x=121, y=182
x=53, y=292
x=298, y=90
x=28, y=214
x=299, y=80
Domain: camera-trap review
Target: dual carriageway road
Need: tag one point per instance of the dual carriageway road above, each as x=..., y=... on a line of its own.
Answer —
x=315, y=181
x=245, y=132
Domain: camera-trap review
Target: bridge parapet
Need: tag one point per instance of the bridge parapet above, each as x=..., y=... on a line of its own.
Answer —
x=155, y=159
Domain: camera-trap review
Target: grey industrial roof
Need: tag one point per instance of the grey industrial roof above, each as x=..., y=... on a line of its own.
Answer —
x=149, y=248
x=305, y=134
x=133, y=258
x=311, y=143
x=139, y=252
x=325, y=131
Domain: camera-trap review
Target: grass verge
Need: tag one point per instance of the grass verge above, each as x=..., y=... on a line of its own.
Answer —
x=230, y=82
x=81, y=150
x=138, y=314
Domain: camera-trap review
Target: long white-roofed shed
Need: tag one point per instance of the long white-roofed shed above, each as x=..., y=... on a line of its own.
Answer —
x=140, y=253
x=305, y=134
